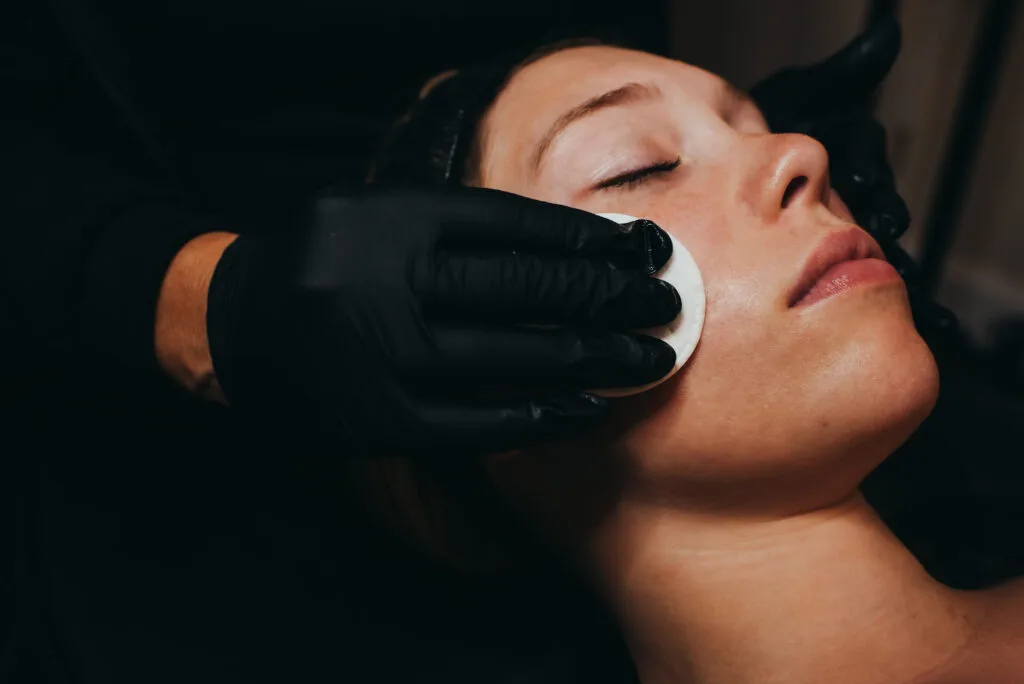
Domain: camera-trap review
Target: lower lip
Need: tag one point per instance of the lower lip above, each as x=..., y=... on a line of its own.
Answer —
x=848, y=275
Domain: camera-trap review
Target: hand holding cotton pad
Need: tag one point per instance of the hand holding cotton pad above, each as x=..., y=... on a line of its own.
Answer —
x=681, y=334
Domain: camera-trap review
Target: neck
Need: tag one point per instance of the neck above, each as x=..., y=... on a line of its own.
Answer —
x=830, y=595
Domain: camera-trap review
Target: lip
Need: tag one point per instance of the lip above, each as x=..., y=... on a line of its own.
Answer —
x=836, y=249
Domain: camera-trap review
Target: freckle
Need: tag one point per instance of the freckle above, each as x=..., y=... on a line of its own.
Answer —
x=825, y=423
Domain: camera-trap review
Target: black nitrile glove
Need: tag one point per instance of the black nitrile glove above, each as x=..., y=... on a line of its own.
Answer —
x=832, y=102
x=410, y=322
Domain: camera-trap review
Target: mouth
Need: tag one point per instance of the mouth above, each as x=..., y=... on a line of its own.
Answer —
x=840, y=262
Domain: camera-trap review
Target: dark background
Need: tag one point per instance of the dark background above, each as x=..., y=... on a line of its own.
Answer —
x=205, y=534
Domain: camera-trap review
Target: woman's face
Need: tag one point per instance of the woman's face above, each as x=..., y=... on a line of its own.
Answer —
x=814, y=393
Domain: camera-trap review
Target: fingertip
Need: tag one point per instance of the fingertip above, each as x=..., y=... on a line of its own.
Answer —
x=888, y=217
x=660, y=305
x=884, y=40
x=870, y=56
x=659, y=245
x=673, y=301
x=663, y=359
x=642, y=245
x=887, y=31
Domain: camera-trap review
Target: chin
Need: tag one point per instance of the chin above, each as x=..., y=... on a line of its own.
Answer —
x=811, y=418
x=913, y=400
x=893, y=374
x=890, y=387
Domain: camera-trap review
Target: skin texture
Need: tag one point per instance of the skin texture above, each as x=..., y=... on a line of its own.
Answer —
x=718, y=514
x=789, y=396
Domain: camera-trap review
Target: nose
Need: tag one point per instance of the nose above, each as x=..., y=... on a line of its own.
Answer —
x=793, y=173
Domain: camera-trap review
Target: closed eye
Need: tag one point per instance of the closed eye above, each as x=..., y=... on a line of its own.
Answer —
x=632, y=179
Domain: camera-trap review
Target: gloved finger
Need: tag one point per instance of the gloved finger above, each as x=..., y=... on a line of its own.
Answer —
x=871, y=195
x=508, y=359
x=529, y=289
x=484, y=219
x=859, y=171
x=932, y=318
x=482, y=427
x=904, y=265
x=857, y=148
x=852, y=74
x=793, y=98
x=884, y=214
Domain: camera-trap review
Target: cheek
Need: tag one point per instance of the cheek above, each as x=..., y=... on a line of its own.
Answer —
x=768, y=392
x=735, y=367
x=741, y=285
x=838, y=207
x=741, y=282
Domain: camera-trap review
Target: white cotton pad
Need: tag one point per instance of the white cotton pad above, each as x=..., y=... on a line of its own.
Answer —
x=682, y=334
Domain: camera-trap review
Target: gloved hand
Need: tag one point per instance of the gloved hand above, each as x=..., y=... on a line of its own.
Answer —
x=832, y=102
x=465, y=321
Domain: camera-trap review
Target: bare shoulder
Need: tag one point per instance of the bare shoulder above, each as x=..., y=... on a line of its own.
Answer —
x=1005, y=608
x=996, y=654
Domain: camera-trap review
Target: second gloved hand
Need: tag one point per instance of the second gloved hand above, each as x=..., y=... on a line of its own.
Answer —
x=466, y=321
x=832, y=102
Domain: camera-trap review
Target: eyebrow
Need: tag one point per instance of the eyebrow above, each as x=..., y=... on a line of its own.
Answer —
x=627, y=94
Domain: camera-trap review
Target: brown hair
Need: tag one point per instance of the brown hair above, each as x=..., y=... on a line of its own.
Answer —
x=437, y=141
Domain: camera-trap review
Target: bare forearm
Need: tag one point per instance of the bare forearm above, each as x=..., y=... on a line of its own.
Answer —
x=181, y=342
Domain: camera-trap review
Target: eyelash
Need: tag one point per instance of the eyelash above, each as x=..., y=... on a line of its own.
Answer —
x=636, y=178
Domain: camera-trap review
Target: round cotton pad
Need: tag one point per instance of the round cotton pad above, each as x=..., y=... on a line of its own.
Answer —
x=682, y=334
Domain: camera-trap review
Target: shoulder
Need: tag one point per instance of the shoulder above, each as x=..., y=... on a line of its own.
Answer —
x=1005, y=610
x=996, y=654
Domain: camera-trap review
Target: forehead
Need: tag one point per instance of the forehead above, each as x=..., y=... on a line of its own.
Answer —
x=584, y=71
x=541, y=92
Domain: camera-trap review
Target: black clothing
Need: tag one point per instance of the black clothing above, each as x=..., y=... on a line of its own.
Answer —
x=128, y=128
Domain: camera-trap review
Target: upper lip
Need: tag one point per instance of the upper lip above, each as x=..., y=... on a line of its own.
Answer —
x=835, y=248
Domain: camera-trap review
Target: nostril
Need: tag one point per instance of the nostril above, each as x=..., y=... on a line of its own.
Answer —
x=792, y=189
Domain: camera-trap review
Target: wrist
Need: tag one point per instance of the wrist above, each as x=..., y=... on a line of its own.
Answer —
x=181, y=341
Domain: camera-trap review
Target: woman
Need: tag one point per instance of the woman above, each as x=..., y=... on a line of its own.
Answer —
x=718, y=516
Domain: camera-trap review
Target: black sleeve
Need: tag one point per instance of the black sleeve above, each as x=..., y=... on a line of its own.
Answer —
x=88, y=224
